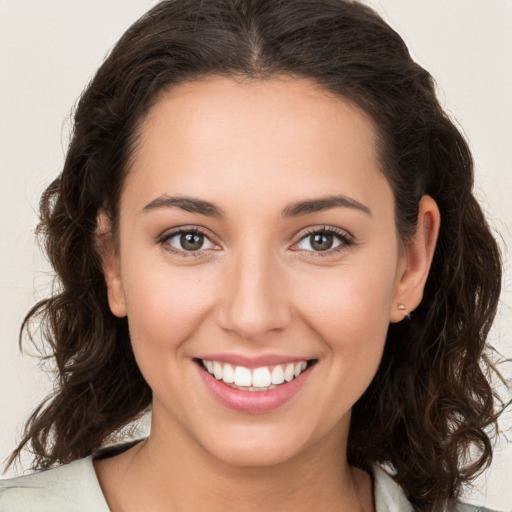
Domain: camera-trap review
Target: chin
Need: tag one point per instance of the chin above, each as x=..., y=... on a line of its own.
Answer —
x=258, y=445
x=242, y=453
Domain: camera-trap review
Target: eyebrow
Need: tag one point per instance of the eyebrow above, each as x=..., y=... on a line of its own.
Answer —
x=297, y=209
x=323, y=203
x=188, y=204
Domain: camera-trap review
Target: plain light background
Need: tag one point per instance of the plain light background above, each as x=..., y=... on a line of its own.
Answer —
x=49, y=51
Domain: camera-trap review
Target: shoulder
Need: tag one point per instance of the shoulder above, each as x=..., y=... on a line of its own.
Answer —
x=465, y=507
x=390, y=497
x=70, y=488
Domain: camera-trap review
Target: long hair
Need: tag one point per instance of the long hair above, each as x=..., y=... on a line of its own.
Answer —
x=431, y=404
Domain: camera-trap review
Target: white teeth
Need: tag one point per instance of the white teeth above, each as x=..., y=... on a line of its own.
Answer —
x=217, y=370
x=261, y=378
x=289, y=372
x=229, y=374
x=242, y=376
x=278, y=375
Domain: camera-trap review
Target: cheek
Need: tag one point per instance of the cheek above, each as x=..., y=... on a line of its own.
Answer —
x=348, y=308
x=352, y=327
x=351, y=298
x=164, y=307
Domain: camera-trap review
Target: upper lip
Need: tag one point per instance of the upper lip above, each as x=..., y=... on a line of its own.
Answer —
x=253, y=362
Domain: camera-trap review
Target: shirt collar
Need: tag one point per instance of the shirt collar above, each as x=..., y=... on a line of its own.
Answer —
x=389, y=496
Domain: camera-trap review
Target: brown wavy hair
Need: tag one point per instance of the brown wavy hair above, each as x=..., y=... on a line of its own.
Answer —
x=431, y=407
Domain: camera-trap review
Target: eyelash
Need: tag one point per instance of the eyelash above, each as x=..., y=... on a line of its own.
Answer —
x=345, y=241
x=194, y=231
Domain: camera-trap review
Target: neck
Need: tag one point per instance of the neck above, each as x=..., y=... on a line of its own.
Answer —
x=172, y=469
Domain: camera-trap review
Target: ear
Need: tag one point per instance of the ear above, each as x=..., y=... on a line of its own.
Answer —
x=416, y=260
x=110, y=264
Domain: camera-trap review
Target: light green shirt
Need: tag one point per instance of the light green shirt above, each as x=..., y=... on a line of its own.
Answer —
x=74, y=487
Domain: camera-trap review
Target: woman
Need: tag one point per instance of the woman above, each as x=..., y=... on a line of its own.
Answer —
x=266, y=234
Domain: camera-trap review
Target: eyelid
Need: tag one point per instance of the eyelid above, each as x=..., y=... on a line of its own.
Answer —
x=345, y=238
x=167, y=235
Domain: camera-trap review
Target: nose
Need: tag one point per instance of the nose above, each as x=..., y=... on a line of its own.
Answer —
x=254, y=302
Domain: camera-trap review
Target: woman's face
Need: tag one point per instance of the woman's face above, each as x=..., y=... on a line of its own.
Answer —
x=256, y=232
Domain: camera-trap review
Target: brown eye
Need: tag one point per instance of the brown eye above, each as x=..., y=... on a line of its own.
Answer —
x=191, y=241
x=188, y=241
x=321, y=241
x=326, y=240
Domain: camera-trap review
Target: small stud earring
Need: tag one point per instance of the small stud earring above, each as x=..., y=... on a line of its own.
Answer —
x=403, y=307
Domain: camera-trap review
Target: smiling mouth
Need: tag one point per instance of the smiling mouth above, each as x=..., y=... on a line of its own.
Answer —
x=264, y=378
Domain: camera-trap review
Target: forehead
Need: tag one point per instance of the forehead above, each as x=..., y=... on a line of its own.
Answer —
x=282, y=135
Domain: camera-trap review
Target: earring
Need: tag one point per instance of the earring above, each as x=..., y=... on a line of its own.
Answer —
x=403, y=307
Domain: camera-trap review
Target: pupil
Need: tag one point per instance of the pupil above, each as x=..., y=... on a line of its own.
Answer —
x=321, y=242
x=191, y=241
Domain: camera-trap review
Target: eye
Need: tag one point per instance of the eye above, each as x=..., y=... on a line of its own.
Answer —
x=187, y=241
x=326, y=240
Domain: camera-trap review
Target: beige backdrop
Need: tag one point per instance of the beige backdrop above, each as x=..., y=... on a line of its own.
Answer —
x=48, y=52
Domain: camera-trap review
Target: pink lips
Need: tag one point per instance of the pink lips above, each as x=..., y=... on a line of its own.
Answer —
x=252, y=401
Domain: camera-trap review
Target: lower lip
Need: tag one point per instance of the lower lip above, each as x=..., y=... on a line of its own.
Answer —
x=253, y=401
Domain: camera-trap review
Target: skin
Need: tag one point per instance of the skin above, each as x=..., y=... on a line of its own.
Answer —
x=252, y=148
